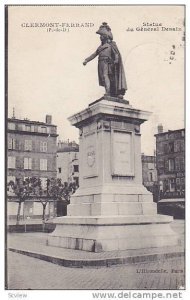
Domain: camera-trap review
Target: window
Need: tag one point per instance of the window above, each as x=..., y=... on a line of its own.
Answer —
x=28, y=145
x=43, y=164
x=11, y=144
x=159, y=148
x=43, y=182
x=178, y=184
x=171, y=164
x=160, y=162
x=11, y=126
x=161, y=186
x=182, y=145
x=166, y=185
x=59, y=170
x=172, y=185
x=28, y=127
x=11, y=162
x=171, y=147
x=43, y=146
x=151, y=176
x=177, y=163
x=43, y=129
x=27, y=163
x=177, y=146
x=166, y=164
x=76, y=168
x=20, y=126
x=183, y=182
x=182, y=163
x=165, y=148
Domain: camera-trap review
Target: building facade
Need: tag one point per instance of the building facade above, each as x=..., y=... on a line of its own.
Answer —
x=31, y=152
x=170, y=162
x=68, y=162
x=149, y=174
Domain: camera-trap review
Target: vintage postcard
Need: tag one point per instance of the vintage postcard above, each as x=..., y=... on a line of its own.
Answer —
x=95, y=145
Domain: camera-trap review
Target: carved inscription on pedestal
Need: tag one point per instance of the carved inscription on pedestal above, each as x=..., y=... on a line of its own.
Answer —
x=122, y=154
x=90, y=156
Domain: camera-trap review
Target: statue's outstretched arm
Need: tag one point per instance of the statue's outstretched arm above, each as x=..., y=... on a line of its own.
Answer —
x=90, y=58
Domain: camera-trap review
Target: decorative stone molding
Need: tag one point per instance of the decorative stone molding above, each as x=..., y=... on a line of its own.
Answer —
x=106, y=125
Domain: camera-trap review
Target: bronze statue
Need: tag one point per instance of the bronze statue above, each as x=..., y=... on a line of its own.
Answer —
x=110, y=67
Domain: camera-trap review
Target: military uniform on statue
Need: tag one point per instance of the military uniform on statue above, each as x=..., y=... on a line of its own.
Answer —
x=110, y=67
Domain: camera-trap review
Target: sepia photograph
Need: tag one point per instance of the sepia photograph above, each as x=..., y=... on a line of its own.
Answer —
x=95, y=148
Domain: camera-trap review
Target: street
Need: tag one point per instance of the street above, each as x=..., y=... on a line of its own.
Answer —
x=29, y=273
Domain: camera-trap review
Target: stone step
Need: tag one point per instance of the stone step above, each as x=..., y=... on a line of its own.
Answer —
x=113, y=220
x=125, y=258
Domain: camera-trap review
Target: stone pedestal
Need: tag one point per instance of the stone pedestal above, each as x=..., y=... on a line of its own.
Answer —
x=111, y=210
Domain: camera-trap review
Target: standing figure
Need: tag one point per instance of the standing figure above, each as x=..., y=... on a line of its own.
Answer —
x=110, y=67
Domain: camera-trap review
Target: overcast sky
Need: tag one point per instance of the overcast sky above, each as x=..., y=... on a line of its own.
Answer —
x=46, y=75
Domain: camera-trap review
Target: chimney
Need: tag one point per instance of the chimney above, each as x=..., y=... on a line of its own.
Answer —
x=48, y=119
x=160, y=128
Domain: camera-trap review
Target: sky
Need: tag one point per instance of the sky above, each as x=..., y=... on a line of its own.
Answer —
x=46, y=74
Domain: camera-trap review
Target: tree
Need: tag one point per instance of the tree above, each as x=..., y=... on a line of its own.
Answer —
x=40, y=194
x=32, y=188
x=60, y=191
x=22, y=189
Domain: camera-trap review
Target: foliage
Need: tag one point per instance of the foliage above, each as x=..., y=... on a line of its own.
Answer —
x=24, y=189
x=32, y=188
x=60, y=191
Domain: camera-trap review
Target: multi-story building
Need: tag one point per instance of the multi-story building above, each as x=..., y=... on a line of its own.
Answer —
x=149, y=174
x=31, y=152
x=170, y=161
x=68, y=162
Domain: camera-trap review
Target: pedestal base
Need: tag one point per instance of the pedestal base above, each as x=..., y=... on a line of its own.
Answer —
x=97, y=234
x=112, y=200
x=111, y=210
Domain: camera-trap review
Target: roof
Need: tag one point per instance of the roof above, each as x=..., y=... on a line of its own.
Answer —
x=68, y=149
x=26, y=121
x=169, y=131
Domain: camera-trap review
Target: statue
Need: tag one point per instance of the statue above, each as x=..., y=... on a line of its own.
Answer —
x=110, y=67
